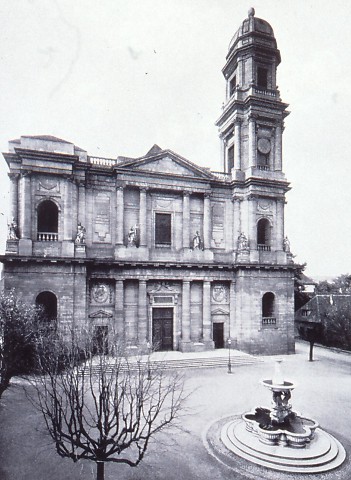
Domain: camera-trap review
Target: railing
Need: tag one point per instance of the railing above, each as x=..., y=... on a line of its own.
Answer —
x=264, y=248
x=265, y=92
x=269, y=321
x=263, y=167
x=47, y=237
x=105, y=162
x=226, y=177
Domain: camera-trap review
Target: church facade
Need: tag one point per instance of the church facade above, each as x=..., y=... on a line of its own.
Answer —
x=157, y=249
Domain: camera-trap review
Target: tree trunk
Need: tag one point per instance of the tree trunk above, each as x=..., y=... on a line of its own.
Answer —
x=100, y=473
x=311, y=351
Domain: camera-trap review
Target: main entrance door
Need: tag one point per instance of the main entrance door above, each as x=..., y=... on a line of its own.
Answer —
x=162, y=328
x=218, y=335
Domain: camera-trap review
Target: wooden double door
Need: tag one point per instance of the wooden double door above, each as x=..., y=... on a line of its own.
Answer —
x=162, y=328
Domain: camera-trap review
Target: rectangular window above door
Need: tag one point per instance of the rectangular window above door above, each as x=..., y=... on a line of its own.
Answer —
x=163, y=229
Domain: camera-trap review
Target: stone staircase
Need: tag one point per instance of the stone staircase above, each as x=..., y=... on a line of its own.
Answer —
x=190, y=362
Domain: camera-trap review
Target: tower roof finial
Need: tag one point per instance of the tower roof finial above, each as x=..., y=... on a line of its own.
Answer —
x=251, y=12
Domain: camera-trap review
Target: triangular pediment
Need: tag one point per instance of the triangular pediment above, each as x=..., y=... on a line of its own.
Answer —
x=101, y=314
x=167, y=162
x=220, y=311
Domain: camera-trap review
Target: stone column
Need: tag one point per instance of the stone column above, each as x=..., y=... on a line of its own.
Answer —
x=237, y=144
x=120, y=215
x=206, y=312
x=252, y=233
x=278, y=148
x=186, y=219
x=26, y=207
x=252, y=142
x=81, y=204
x=67, y=211
x=142, y=313
x=186, y=312
x=119, y=311
x=142, y=218
x=279, y=225
x=236, y=221
x=222, y=150
x=232, y=333
x=14, y=197
x=207, y=221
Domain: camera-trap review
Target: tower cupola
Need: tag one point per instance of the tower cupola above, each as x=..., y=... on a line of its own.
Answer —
x=251, y=124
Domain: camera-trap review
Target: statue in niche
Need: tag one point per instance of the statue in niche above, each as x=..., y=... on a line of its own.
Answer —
x=197, y=242
x=80, y=237
x=243, y=243
x=12, y=233
x=133, y=236
x=286, y=245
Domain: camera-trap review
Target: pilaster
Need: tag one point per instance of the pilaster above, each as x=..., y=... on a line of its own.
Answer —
x=185, y=343
x=14, y=196
x=142, y=313
x=186, y=219
x=207, y=221
x=119, y=311
x=252, y=141
x=237, y=144
x=120, y=215
x=206, y=315
x=278, y=147
x=142, y=218
x=25, y=215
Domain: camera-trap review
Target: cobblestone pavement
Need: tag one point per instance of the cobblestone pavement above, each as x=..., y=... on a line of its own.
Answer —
x=323, y=392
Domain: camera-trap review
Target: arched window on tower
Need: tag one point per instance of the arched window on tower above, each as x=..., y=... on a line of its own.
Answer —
x=47, y=213
x=268, y=309
x=263, y=235
x=48, y=302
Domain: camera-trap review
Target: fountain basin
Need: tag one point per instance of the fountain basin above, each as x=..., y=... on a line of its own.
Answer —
x=295, y=432
x=278, y=387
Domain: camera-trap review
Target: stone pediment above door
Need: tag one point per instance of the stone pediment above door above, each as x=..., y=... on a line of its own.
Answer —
x=101, y=314
x=220, y=311
x=167, y=162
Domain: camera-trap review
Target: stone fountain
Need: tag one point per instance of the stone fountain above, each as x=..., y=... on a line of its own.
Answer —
x=280, y=438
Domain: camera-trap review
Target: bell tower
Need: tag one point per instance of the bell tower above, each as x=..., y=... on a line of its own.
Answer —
x=251, y=124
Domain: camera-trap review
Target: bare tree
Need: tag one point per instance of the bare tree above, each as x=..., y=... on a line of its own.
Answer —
x=18, y=326
x=103, y=408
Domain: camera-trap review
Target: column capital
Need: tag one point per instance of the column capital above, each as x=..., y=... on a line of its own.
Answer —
x=26, y=173
x=13, y=176
x=187, y=193
x=120, y=187
x=143, y=189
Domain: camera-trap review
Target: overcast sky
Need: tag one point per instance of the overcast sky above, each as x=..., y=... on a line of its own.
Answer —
x=115, y=76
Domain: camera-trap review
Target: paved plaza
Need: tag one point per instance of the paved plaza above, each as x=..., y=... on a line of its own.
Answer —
x=323, y=392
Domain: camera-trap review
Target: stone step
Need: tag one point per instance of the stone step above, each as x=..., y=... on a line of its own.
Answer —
x=191, y=363
x=323, y=454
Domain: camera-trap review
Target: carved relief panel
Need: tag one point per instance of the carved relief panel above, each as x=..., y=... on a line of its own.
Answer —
x=220, y=293
x=102, y=220
x=101, y=293
x=218, y=225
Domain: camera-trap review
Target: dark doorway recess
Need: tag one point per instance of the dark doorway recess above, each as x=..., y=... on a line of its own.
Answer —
x=101, y=340
x=162, y=328
x=48, y=302
x=218, y=335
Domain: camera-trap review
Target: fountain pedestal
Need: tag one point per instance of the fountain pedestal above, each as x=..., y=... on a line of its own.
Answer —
x=280, y=438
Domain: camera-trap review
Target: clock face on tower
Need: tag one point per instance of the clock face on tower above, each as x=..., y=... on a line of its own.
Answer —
x=264, y=145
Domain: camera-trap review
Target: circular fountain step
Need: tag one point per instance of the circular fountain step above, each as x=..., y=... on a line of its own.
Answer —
x=324, y=453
